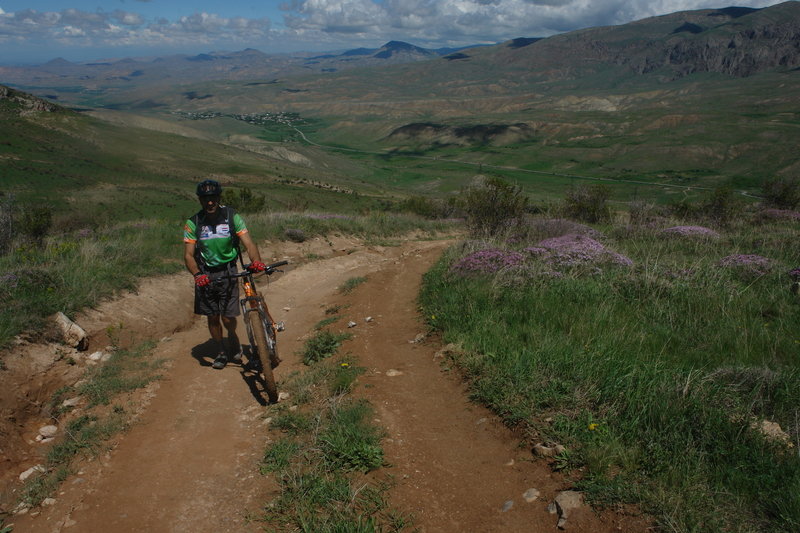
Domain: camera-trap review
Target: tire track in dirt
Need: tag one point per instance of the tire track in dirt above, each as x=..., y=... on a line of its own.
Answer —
x=190, y=462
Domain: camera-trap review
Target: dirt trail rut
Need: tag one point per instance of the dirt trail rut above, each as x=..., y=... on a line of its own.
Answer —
x=190, y=462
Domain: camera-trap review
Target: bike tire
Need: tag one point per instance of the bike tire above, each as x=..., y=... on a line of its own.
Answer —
x=263, y=353
x=272, y=345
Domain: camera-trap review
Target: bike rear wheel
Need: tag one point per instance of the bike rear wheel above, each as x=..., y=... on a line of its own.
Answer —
x=264, y=353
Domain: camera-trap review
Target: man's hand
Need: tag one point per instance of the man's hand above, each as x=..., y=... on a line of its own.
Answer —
x=256, y=266
x=201, y=280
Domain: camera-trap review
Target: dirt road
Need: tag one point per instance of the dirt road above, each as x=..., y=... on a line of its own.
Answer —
x=190, y=461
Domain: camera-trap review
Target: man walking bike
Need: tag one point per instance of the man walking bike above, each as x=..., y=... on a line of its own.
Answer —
x=212, y=238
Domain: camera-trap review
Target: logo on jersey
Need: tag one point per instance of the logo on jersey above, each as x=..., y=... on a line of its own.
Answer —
x=220, y=231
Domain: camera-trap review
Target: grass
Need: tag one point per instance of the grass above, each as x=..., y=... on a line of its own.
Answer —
x=329, y=442
x=77, y=269
x=348, y=286
x=322, y=345
x=85, y=435
x=653, y=376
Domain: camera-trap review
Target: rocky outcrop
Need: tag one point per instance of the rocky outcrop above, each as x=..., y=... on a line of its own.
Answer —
x=26, y=103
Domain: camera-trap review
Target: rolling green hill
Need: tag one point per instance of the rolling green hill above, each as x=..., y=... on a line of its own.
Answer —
x=691, y=99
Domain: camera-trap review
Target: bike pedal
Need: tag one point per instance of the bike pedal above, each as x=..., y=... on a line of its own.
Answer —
x=280, y=326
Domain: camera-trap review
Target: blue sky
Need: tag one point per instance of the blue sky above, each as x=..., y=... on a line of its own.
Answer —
x=35, y=31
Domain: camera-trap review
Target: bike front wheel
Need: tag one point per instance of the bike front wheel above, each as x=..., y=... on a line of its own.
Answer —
x=264, y=353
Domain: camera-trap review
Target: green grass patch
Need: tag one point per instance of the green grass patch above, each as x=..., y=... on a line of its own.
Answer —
x=320, y=465
x=348, y=286
x=322, y=345
x=654, y=376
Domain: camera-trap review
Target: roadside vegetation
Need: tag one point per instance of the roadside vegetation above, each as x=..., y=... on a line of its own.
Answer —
x=328, y=446
x=44, y=270
x=661, y=351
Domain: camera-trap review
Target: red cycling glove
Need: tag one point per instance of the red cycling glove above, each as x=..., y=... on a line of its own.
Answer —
x=201, y=280
x=256, y=266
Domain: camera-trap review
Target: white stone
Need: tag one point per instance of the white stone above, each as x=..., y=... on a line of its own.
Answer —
x=393, y=373
x=96, y=356
x=368, y=319
x=351, y=324
x=71, y=402
x=48, y=502
x=29, y=472
x=531, y=495
x=72, y=334
x=48, y=431
x=283, y=396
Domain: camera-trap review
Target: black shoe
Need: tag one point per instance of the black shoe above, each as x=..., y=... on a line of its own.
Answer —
x=237, y=357
x=220, y=362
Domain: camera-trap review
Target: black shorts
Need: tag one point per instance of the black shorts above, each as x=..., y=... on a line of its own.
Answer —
x=220, y=297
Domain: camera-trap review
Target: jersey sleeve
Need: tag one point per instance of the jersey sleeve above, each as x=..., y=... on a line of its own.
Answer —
x=189, y=232
x=238, y=224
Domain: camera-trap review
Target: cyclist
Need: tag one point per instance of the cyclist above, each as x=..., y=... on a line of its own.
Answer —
x=211, y=240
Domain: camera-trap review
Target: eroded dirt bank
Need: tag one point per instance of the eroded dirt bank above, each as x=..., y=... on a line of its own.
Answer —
x=190, y=461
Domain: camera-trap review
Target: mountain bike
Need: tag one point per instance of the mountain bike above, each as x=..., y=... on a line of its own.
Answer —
x=261, y=329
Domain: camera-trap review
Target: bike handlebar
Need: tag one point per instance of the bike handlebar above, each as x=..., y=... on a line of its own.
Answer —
x=268, y=270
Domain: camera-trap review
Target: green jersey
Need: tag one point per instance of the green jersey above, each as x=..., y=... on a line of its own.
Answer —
x=214, y=240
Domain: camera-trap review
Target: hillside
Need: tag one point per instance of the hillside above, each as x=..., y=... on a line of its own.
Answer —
x=129, y=167
x=695, y=98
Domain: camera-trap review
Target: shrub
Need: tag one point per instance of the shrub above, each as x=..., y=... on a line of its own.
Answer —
x=783, y=193
x=588, y=203
x=6, y=222
x=428, y=207
x=35, y=222
x=491, y=206
x=295, y=235
x=721, y=205
x=243, y=199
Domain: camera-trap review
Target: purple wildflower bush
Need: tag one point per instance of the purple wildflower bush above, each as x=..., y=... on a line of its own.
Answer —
x=575, y=250
x=747, y=264
x=548, y=259
x=690, y=231
x=794, y=274
x=486, y=261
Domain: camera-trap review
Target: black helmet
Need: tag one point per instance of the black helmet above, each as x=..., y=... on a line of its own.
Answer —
x=209, y=188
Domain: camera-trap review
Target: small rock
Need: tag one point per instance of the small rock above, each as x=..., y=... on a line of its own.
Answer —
x=393, y=373
x=773, y=432
x=287, y=309
x=283, y=396
x=71, y=333
x=531, y=495
x=96, y=356
x=540, y=450
x=351, y=324
x=71, y=402
x=481, y=421
x=21, y=509
x=419, y=338
x=566, y=502
x=48, y=502
x=105, y=357
x=26, y=474
x=48, y=431
x=508, y=505
x=368, y=319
